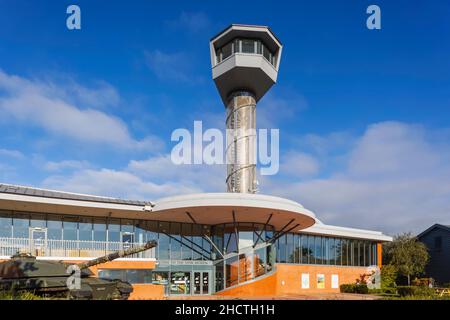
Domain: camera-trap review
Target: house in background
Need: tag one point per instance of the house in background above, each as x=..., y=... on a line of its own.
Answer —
x=437, y=240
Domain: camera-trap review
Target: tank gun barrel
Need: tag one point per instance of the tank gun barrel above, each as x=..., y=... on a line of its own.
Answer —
x=118, y=254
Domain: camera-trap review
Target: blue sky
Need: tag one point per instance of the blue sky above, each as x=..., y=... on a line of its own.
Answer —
x=364, y=115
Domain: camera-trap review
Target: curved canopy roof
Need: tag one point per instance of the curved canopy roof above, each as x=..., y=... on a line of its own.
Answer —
x=218, y=208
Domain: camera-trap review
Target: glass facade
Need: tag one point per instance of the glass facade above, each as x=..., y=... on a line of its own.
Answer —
x=250, y=46
x=241, y=252
x=129, y=275
x=321, y=250
x=187, y=260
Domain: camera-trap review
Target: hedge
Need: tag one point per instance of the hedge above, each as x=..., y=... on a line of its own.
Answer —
x=354, y=288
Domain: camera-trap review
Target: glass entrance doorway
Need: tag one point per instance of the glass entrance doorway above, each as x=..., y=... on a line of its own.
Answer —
x=127, y=239
x=38, y=241
x=180, y=283
x=201, y=282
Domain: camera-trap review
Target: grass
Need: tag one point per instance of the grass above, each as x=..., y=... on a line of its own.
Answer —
x=20, y=296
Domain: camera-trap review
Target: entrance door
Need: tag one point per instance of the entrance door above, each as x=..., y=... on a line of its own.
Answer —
x=201, y=282
x=127, y=239
x=180, y=283
x=38, y=241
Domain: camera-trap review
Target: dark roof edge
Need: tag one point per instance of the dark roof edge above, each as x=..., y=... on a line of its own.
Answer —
x=436, y=225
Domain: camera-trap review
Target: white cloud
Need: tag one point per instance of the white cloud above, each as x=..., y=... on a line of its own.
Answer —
x=149, y=179
x=396, y=179
x=122, y=184
x=299, y=165
x=11, y=153
x=125, y=184
x=46, y=105
x=274, y=108
x=66, y=165
x=190, y=21
x=177, y=66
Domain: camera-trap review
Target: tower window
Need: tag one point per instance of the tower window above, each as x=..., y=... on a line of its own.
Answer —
x=248, y=46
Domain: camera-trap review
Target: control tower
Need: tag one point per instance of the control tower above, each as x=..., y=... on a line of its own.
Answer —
x=245, y=61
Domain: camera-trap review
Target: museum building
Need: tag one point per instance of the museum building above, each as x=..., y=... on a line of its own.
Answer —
x=238, y=243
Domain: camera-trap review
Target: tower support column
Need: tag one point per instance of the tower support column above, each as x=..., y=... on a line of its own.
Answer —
x=241, y=142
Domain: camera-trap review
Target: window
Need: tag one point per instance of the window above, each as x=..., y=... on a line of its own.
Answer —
x=54, y=228
x=207, y=247
x=227, y=51
x=38, y=221
x=282, y=249
x=232, y=271
x=186, y=233
x=5, y=225
x=129, y=275
x=346, y=249
x=267, y=54
x=367, y=254
x=21, y=223
x=318, y=251
x=338, y=251
x=114, y=230
x=258, y=47
x=297, y=249
x=164, y=241
x=245, y=235
x=70, y=228
x=140, y=231
x=198, y=241
x=326, y=250
x=152, y=230
x=374, y=254
x=290, y=248
x=311, y=253
x=219, y=275
x=259, y=234
x=354, y=253
x=230, y=241
x=260, y=262
x=99, y=227
x=175, y=241
x=248, y=46
x=304, y=248
x=160, y=277
x=85, y=229
x=361, y=253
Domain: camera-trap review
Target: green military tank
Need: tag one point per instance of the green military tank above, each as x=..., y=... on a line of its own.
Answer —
x=56, y=279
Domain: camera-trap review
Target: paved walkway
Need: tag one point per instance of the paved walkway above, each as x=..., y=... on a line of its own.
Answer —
x=324, y=296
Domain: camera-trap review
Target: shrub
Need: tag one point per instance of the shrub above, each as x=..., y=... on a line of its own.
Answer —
x=354, y=288
x=391, y=291
x=404, y=291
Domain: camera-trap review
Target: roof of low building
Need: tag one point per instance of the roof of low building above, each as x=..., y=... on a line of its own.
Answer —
x=46, y=193
x=205, y=208
x=434, y=226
